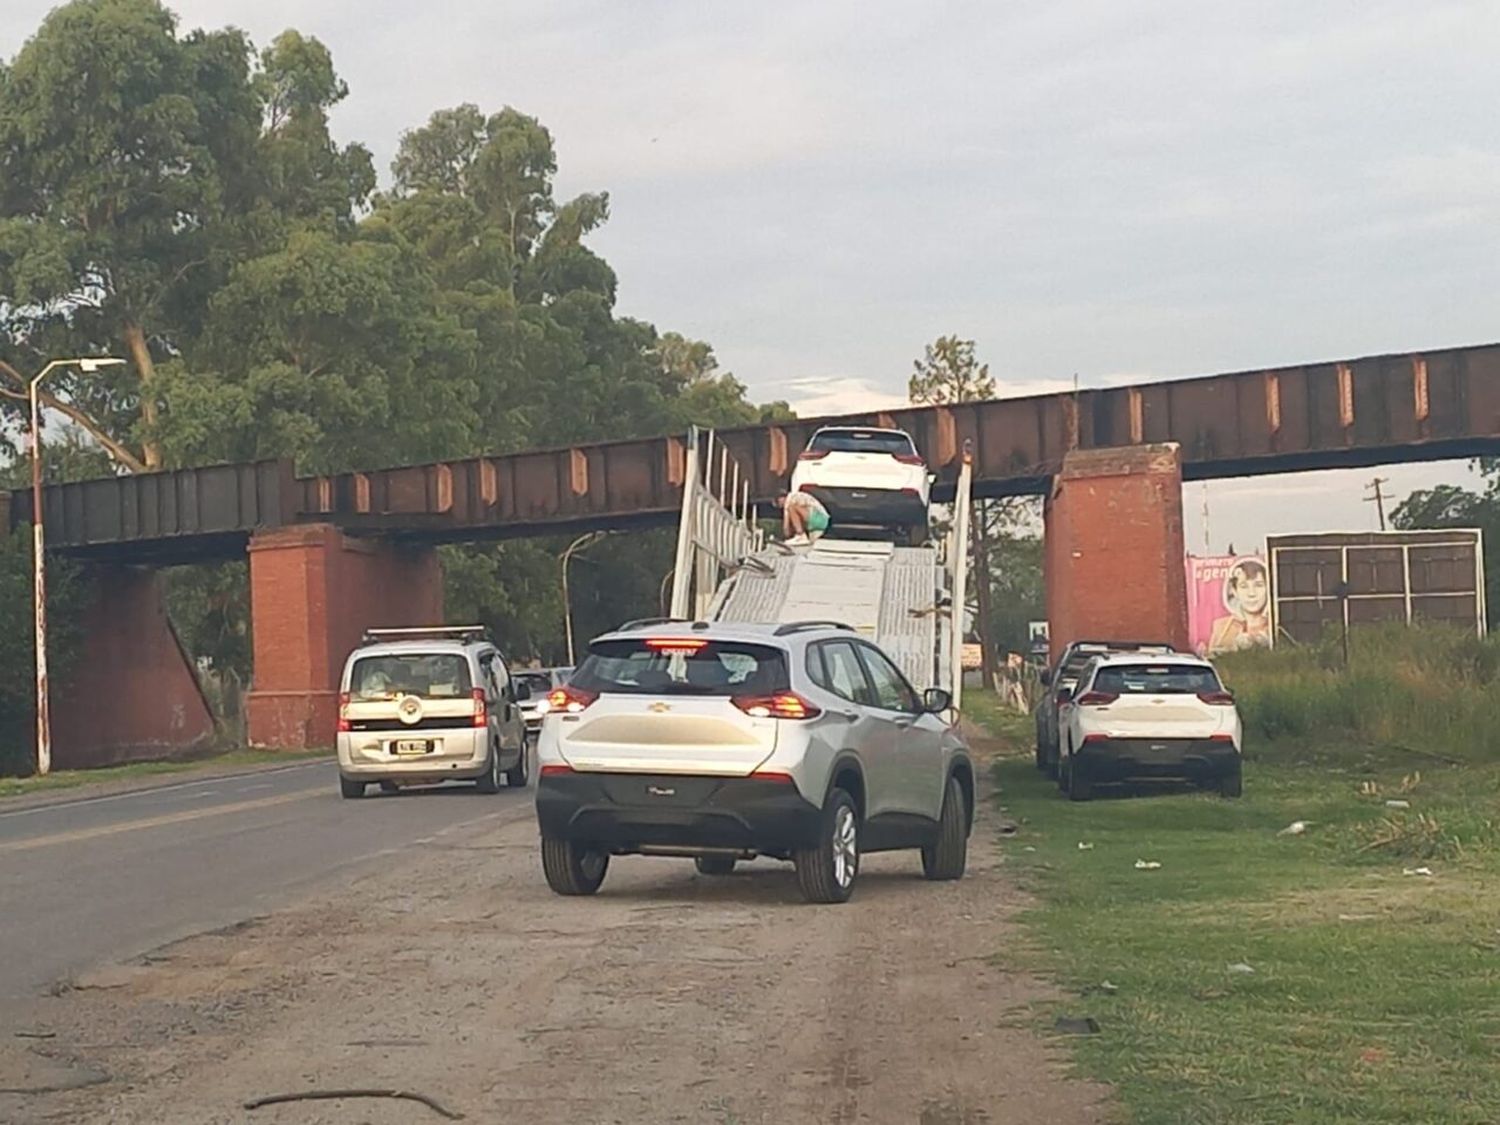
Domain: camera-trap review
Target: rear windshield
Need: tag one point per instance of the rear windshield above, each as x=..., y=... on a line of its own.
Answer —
x=861, y=441
x=1156, y=679
x=540, y=683
x=431, y=675
x=655, y=666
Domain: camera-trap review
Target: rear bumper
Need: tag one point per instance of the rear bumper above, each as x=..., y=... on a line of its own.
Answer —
x=635, y=812
x=459, y=754
x=870, y=505
x=1121, y=759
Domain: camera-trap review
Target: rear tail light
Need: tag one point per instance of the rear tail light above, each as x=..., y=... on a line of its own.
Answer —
x=679, y=645
x=909, y=459
x=911, y=492
x=782, y=705
x=555, y=769
x=1221, y=738
x=481, y=708
x=1216, y=698
x=570, y=700
x=1095, y=738
x=780, y=777
x=344, y=725
x=812, y=455
x=1096, y=699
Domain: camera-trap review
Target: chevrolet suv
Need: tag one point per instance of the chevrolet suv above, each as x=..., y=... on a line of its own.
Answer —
x=723, y=742
x=419, y=706
x=866, y=476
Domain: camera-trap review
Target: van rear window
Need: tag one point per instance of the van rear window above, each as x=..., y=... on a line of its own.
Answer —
x=685, y=666
x=429, y=675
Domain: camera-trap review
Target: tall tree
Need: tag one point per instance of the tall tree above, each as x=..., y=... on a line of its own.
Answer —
x=125, y=151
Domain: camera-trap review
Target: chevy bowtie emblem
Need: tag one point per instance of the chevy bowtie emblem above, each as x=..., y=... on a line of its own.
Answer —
x=660, y=707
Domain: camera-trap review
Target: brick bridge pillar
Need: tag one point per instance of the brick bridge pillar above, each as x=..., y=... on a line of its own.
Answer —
x=1114, y=548
x=313, y=591
x=134, y=692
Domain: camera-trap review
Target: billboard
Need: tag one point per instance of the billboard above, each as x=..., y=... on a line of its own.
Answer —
x=1369, y=576
x=1229, y=603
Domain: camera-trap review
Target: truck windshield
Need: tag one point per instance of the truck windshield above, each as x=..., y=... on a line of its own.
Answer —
x=690, y=666
x=861, y=441
x=439, y=675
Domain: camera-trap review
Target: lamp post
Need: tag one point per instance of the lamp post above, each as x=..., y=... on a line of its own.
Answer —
x=38, y=548
x=567, y=557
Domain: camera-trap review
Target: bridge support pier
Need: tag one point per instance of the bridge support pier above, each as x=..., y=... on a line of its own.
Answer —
x=1114, y=547
x=313, y=591
x=134, y=693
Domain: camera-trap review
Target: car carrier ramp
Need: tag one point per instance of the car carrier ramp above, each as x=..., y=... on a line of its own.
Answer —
x=887, y=593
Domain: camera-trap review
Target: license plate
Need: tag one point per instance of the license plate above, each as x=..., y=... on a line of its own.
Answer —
x=413, y=746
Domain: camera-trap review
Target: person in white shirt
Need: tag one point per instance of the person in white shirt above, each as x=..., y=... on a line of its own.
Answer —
x=803, y=518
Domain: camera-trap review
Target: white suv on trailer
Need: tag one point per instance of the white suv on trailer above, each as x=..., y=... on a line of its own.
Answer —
x=721, y=742
x=1149, y=715
x=420, y=706
x=866, y=476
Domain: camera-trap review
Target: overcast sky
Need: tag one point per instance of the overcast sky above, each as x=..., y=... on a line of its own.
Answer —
x=1089, y=188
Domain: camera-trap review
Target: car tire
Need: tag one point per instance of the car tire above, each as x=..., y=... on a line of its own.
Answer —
x=826, y=872
x=1080, y=785
x=490, y=781
x=571, y=868
x=1232, y=783
x=350, y=789
x=516, y=776
x=948, y=855
x=714, y=864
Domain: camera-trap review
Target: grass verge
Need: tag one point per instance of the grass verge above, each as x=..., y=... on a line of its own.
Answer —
x=1372, y=995
x=72, y=779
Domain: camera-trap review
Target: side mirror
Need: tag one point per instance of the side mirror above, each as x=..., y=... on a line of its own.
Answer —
x=1046, y=677
x=935, y=700
x=523, y=692
x=1065, y=695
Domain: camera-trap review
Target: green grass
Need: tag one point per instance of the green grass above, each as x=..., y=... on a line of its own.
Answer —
x=72, y=779
x=1375, y=995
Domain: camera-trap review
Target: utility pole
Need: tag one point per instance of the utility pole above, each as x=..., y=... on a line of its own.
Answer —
x=1377, y=497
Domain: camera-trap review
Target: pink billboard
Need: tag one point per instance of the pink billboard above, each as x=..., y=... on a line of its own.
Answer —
x=1229, y=603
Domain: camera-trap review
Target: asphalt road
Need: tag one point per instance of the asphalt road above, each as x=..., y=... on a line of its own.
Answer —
x=103, y=879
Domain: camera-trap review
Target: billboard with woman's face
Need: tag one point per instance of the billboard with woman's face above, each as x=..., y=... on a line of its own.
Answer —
x=1229, y=603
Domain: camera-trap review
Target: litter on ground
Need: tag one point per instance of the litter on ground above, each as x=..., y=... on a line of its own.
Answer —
x=1146, y=865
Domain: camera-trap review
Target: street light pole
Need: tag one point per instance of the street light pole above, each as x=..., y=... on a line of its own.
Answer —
x=567, y=556
x=38, y=557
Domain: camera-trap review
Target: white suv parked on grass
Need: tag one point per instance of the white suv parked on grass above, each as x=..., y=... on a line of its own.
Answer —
x=1150, y=715
x=722, y=742
x=865, y=476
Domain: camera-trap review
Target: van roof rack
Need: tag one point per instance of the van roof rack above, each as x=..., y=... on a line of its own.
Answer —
x=799, y=626
x=434, y=632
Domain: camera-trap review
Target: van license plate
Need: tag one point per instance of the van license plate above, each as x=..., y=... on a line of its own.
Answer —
x=413, y=746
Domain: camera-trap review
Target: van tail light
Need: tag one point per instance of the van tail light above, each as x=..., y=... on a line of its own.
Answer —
x=910, y=458
x=782, y=705
x=812, y=455
x=1096, y=699
x=481, y=708
x=569, y=700
x=345, y=726
x=1217, y=698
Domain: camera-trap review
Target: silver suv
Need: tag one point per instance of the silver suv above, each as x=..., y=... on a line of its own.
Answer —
x=722, y=742
x=418, y=706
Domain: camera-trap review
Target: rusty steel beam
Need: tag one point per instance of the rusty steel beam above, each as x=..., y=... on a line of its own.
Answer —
x=1403, y=407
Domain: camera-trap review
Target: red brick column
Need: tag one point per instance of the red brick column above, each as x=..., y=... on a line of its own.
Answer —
x=313, y=592
x=134, y=693
x=1114, y=548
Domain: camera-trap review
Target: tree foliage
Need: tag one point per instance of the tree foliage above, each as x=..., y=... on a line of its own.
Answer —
x=1448, y=505
x=177, y=198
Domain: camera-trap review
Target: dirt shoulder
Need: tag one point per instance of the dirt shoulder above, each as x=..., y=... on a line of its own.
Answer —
x=112, y=781
x=670, y=997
